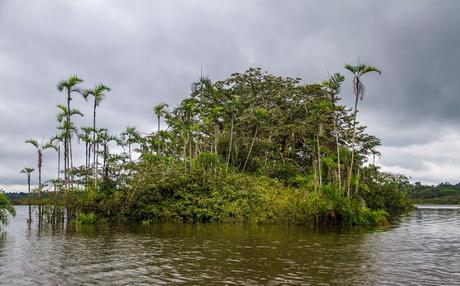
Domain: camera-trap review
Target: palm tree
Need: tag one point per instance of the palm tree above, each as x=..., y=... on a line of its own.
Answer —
x=160, y=110
x=332, y=86
x=6, y=208
x=86, y=137
x=67, y=130
x=70, y=86
x=358, y=89
x=56, y=140
x=40, y=148
x=130, y=136
x=98, y=93
x=28, y=171
x=104, y=138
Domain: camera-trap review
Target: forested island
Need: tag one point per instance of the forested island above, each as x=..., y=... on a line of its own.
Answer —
x=254, y=147
x=443, y=193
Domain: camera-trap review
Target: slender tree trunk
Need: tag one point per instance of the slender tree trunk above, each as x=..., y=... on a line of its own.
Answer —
x=66, y=182
x=86, y=154
x=90, y=149
x=55, y=189
x=106, y=165
x=54, y=217
x=69, y=138
x=96, y=164
x=357, y=182
x=129, y=147
x=94, y=144
x=71, y=154
x=315, y=171
x=59, y=161
x=319, y=160
x=158, y=119
x=339, y=175
x=30, y=207
x=250, y=148
x=39, y=187
x=158, y=134
x=350, y=171
x=185, y=148
x=71, y=161
x=104, y=159
x=230, y=144
x=190, y=141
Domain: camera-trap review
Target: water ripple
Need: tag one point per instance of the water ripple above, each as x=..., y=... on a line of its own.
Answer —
x=422, y=249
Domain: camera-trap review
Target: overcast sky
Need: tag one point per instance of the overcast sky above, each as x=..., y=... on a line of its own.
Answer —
x=150, y=52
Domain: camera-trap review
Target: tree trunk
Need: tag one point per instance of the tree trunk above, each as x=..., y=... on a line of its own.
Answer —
x=94, y=144
x=339, y=175
x=158, y=135
x=39, y=187
x=357, y=182
x=230, y=144
x=86, y=154
x=350, y=171
x=66, y=182
x=59, y=161
x=319, y=160
x=30, y=207
x=250, y=148
x=71, y=160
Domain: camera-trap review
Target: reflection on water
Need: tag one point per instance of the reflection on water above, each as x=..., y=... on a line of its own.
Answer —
x=421, y=250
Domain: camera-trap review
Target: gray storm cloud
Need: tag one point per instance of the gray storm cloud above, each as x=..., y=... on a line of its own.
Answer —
x=150, y=52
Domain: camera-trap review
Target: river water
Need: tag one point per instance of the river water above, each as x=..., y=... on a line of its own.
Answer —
x=421, y=248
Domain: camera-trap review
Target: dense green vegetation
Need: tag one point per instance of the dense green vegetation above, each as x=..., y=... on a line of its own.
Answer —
x=443, y=193
x=6, y=209
x=251, y=148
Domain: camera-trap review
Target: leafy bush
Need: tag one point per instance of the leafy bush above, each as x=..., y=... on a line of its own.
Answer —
x=6, y=209
x=86, y=218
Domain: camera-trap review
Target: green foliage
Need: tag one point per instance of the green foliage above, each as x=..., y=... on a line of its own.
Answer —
x=195, y=195
x=385, y=191
x=443, y=193
x=6, y=209
x=254, y=147
x=86, y=218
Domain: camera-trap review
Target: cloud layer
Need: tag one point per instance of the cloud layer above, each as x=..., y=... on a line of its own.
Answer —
x=150, y=52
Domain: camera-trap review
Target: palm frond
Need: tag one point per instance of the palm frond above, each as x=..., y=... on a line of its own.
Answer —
x=27, y=170
x=33, y=142
x=351, y=68
x=369, y=69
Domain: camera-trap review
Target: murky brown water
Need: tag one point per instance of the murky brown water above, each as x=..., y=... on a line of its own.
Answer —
x=422, y=249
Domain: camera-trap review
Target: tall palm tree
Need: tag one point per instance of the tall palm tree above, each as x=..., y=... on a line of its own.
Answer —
x=57, y=140
x=160, y=110
x=98, y=93
x=40, y=148
x=67, y=130
x=70, y=86
x=105, y=139
x=86, y=137
x=332, y=86
x=358, y=89
x=130, y=136
x=28, y=171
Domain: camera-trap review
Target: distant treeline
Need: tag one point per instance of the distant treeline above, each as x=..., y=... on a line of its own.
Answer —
x=20, y=198
x=444, y=193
